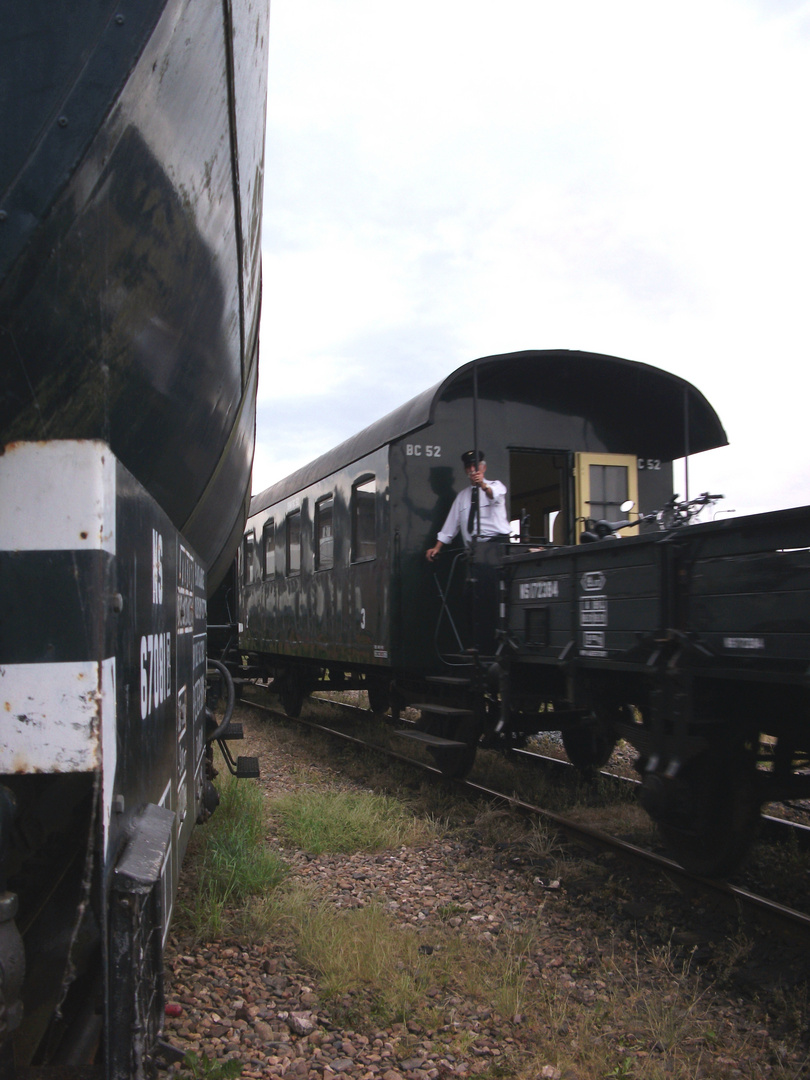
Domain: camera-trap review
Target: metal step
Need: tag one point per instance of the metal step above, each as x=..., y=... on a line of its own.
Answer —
x=449, y=712
x=247, y=768
x=448, y=680
x=431, y=740
x=233, y=731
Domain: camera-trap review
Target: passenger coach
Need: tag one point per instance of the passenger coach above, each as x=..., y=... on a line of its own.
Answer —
x=336, y=590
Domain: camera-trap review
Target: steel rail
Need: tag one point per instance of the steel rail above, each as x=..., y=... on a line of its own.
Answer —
x=778, y=916
x=775, y=828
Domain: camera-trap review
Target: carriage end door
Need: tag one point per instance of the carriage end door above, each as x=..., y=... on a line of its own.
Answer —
x=602, y=482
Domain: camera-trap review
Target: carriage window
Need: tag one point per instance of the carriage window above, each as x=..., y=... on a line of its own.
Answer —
x=249, y=574
x=602, y=482
x=608, y=490
x=364, y=537
x=324, y=540
x=294, y=543
x=269, y=547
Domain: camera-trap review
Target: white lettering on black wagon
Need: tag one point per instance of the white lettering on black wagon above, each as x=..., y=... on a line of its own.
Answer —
x=593, y=611
x=418, y=450
x=156, y=671
x=539, y=590
x=593, y=581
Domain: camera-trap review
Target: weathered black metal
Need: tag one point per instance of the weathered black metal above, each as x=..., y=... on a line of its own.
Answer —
x=137, y=919
x=131, y=173
x=103, y=730
x=131, y=179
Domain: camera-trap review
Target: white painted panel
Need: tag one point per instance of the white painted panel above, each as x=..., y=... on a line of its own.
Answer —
x=109, y=743
x=57, y=496
x=50, y=717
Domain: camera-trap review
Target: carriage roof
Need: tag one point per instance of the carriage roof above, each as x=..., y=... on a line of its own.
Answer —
x=667, y=416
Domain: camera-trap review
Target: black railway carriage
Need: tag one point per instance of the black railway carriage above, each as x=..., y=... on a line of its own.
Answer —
x=131, y=176
x=336, y=588
x=103, y=666
x=691, y=643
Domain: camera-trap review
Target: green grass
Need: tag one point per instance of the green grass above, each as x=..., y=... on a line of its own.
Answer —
x=232, y=863
x=370, y=966
x=346, y=821
x=371, y=969
x=360, y=950
x=205, y=1068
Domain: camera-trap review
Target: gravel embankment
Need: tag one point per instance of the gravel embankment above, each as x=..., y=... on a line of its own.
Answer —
x=596, y=936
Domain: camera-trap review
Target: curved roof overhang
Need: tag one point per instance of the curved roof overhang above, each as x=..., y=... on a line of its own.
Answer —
x=665, y=416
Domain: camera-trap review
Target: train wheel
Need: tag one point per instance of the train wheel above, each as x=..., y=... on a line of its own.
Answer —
x=397, y=705
x=589, y=746
x=454, y=764
x=712, y=813
x=292, y=695
x=379, y=697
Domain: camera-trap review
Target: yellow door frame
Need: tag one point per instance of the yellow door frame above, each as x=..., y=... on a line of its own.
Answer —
x=582, y=485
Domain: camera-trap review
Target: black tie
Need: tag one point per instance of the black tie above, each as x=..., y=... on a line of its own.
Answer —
x=473, y=511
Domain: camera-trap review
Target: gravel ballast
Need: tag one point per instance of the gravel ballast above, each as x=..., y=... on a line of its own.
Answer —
x=596, y=933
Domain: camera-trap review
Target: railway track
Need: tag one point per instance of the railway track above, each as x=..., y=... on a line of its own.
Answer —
x=767, y=911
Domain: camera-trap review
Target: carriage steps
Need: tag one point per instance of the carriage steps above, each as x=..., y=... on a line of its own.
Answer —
x=440, y=712
x=247, y=768
x=436, y=741
x=244, y=768
x=454, y=682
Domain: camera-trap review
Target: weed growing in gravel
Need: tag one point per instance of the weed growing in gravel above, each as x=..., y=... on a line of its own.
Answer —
x=647, y=1022
x=232, y=862
x=357, y=950
x=448, y=911
x=510, y=974
x=496, y=824
x=367, y=961
x=204, y=1068
x=553, y=1006
x=795, y=1007
x=346, y=821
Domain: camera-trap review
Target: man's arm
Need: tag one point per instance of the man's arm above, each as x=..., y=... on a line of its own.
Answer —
x=431, y=553
x=448, y=531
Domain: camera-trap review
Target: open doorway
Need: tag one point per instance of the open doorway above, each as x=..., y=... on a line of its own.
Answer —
x=552, y=493
x=538, y=495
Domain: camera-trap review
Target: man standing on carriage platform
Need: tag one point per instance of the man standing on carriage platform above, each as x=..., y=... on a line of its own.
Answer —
x=479, y=513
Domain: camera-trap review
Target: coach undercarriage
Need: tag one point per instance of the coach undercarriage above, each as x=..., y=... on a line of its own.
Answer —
x=711, y=751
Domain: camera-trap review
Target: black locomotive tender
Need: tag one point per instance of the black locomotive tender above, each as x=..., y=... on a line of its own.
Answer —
x=690, y=643
x=131, y=176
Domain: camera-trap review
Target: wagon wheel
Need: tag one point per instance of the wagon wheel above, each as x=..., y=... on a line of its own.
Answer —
x=379, y=697
x=454, y=764
x=292, y=695
x=715, y=813
x=397, y=705
x=589, y=745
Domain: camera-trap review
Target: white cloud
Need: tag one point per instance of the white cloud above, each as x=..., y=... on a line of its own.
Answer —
x=450, y=179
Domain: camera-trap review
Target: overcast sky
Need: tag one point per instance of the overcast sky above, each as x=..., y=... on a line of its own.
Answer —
x=447, y=179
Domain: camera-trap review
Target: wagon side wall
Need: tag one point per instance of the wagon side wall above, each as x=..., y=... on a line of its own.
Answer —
x=339, y=612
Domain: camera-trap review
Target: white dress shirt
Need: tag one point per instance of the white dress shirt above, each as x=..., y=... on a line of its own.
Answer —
x=492, y=515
